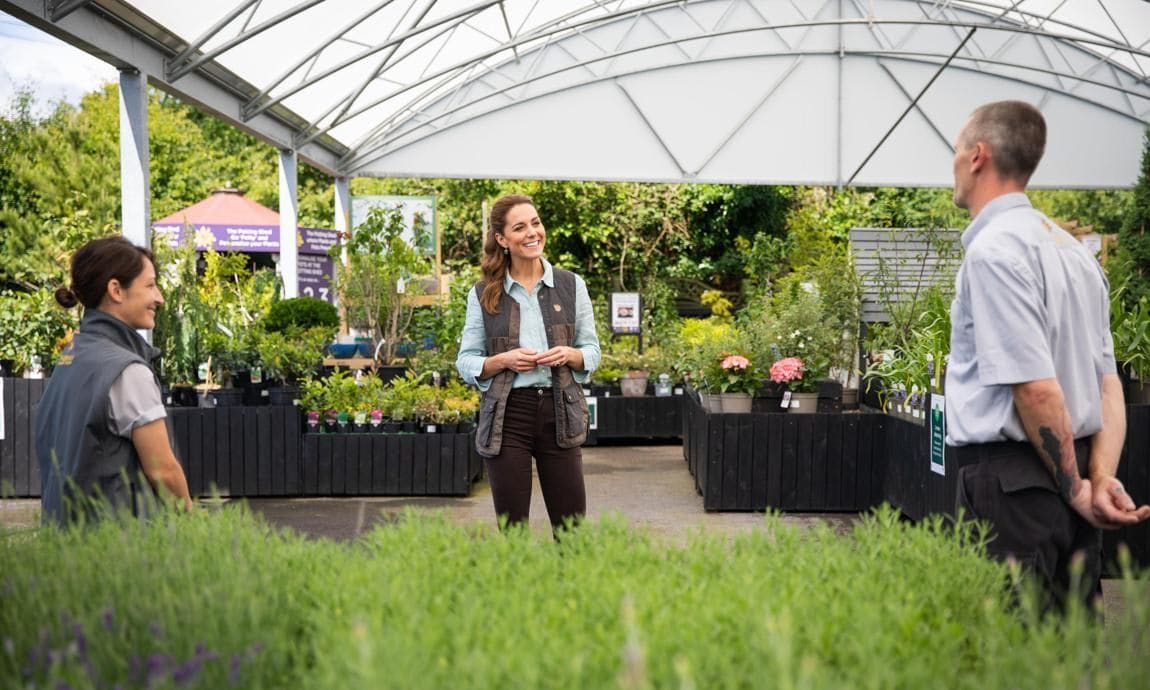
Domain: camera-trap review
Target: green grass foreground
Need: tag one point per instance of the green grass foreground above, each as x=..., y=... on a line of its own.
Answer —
x=221, y=599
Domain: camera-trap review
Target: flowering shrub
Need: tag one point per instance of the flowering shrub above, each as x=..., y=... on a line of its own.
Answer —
x=790, y=370
x=732, y=373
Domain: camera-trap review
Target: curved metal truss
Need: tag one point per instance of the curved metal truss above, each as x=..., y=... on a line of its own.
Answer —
x=820, y=91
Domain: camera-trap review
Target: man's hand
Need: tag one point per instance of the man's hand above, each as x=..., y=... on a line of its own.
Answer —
x=1082, y=501
x=1112, y=507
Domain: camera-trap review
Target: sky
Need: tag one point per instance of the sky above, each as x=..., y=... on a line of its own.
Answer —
x=53, y=69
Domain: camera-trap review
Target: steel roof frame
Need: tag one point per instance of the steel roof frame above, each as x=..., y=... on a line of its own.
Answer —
x=365, y=150
x=119, y=32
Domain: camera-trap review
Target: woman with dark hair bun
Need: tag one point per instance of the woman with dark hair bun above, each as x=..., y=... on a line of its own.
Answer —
x=528, y=343
x=101, y=436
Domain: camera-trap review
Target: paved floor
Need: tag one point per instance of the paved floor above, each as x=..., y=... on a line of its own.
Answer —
x=649, y=486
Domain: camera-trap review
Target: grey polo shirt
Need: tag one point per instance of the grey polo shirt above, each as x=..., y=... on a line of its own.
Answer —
x=1030, y=303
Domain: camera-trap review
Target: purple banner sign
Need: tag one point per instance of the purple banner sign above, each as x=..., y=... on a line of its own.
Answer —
x=315, y=277
x=314, y=265
x=248, y=238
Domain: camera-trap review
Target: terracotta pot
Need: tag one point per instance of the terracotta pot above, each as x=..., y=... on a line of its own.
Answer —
x=634, y=385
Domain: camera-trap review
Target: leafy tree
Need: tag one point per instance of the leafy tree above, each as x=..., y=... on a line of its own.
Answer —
x=1133, y=240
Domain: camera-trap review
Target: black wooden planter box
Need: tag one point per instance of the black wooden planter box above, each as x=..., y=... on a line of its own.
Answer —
x=389, y=464
x=19, y=471
x=797, y=462
x=913, y=488
x=645, y=416
x=241, y=451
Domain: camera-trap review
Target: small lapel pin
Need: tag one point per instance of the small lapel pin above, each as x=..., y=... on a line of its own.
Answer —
x=558, y=307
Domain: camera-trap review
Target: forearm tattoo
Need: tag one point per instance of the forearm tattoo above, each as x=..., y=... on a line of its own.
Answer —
x=1067, y=482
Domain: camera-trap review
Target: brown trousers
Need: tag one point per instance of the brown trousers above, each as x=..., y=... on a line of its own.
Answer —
x=529, y=430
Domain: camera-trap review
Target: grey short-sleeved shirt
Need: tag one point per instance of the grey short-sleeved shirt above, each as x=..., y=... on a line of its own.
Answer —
x=1031, y=303
x=134, y=400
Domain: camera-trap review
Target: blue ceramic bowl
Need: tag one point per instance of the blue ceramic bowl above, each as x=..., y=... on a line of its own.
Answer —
x=342, y=350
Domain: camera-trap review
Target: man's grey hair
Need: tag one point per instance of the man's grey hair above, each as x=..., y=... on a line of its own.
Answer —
x=1015, y=131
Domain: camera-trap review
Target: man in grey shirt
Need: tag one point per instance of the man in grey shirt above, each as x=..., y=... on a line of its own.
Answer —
x=1033, y=398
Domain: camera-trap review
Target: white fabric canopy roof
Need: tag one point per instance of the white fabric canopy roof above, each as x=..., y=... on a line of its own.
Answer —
x=752, y=91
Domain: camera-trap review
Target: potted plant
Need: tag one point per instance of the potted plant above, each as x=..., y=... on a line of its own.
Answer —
x=459, y=405
x=1130, y=326
x=31, y=326
x=382, y=269
x=605, y=377
x=631, y=369
x=735, y=379
x=802, y=397
x=289, y=357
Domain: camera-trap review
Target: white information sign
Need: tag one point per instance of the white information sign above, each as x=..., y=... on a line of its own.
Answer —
x=625, y=312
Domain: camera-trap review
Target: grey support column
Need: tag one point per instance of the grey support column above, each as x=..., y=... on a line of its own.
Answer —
x=289, y=224
x=343, y=211
x=135, y=196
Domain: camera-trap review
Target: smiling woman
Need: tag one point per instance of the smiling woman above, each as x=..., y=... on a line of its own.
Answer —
x=100, y=430
x=528, y=343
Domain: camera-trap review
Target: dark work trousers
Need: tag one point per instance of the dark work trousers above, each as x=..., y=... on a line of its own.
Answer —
x=529, y=430
x=1008, y=485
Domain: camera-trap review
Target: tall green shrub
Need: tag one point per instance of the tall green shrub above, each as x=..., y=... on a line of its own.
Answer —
x=1133, y=240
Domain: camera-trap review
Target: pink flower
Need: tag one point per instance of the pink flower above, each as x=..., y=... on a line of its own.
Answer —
x=736, y=362
x=787, y=370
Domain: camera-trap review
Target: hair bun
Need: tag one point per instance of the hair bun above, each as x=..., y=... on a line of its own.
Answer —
x=66, y=298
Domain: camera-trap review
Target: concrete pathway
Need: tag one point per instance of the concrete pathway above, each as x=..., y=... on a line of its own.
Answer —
x=648, y=486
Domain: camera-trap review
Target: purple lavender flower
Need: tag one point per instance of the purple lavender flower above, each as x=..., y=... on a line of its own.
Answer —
x=234, y=669
x=108, y=620
x=157, y=630
x=81, y=641
x=184, y=673
x=157, y=667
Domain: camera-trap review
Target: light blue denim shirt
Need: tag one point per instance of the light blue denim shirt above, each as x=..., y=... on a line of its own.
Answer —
x=532, y=333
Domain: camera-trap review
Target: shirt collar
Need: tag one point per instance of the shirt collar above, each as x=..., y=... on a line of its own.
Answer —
x=548, y=277
x=996, y=206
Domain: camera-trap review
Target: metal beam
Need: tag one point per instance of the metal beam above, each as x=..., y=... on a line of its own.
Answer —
x=262, y=102
x=220, y=93
x=187, y=61
x=343, y=214
x=135, y=196
x=58, y=9
x=315, y=52
x=288, y=264
x=189, y=52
